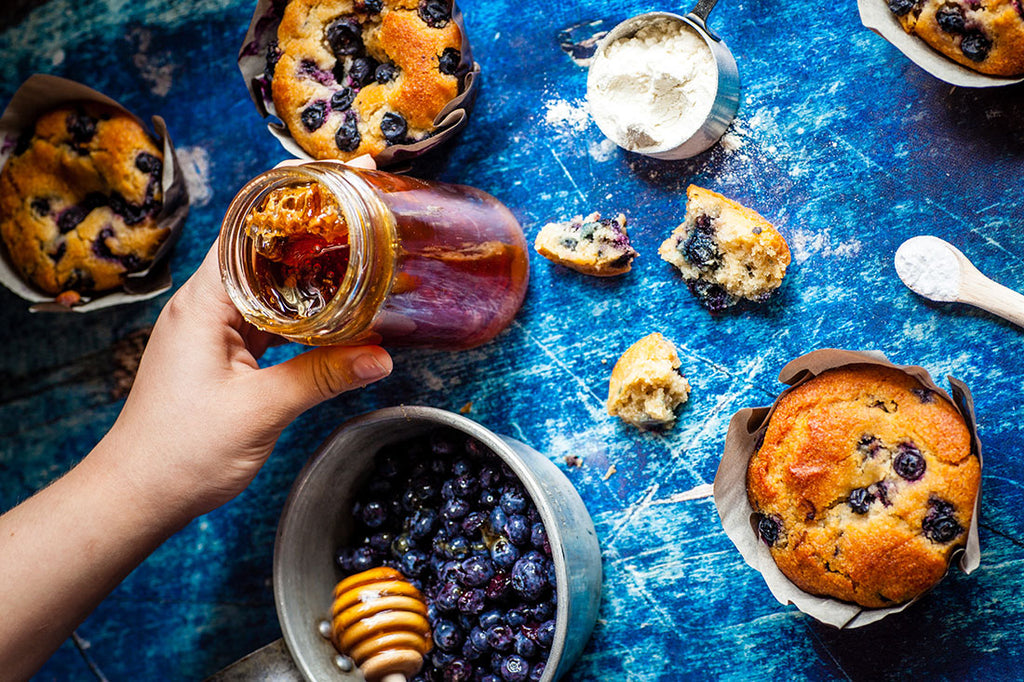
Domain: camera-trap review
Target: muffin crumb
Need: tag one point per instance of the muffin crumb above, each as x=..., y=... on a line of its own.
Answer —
x=646, y=385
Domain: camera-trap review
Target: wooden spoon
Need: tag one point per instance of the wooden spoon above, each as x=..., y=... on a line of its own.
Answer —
x=937, y=270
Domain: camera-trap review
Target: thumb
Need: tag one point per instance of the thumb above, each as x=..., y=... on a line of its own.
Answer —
x=322, y=373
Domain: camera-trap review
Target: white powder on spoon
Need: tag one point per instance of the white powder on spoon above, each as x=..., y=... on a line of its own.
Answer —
x=655, y=88
x=930, y=267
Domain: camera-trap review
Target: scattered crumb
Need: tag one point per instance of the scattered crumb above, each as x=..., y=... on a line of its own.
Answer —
x=573, y=461
x=604, y=361
x=126, y=353
x=608, y=474
x=467, y=408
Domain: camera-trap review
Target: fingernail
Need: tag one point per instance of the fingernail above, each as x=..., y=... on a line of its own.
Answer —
x=370, y=367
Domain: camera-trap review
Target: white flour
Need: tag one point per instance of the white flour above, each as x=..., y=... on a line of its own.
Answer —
x=929, y=267
x=654, y=89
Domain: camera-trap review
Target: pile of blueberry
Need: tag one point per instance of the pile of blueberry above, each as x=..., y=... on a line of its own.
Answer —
x=455, y=520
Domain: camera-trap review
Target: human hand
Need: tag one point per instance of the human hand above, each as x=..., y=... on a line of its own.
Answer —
x=202, y=416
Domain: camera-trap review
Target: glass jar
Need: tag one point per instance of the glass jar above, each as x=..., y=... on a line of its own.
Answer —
x=322, y=253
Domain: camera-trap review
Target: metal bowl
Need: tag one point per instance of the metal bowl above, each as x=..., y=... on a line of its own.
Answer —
x=727, y=93
x=317, y=520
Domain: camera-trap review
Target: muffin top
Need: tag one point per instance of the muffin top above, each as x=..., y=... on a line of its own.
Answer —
x=79, y=199
x=864, y=485
x=352, y=77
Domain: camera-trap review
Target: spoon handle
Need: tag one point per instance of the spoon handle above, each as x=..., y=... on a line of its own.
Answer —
x=980, y=291
x=703, y=8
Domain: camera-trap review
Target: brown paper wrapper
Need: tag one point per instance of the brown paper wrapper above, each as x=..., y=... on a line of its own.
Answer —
x=875, y=15
x=252, y=62
x=36, y=96
x=746, y=429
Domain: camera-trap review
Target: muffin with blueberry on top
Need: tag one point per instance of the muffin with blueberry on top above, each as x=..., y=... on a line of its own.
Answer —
x=987, y=37
x=864, y=486
x=79, y=200
x=591, y=245
x=352, y=77
x=725, y=251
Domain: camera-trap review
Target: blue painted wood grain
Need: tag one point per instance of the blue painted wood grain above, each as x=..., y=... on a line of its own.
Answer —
x=839, y=140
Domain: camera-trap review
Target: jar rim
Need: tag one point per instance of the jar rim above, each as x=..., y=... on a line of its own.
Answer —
x=371, y=230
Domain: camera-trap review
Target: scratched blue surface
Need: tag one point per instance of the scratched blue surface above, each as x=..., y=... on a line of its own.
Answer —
x=843, y=143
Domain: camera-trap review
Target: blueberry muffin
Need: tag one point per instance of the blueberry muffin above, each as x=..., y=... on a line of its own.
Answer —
x=864, y=485
x=79, y=199
x=725, y=251
x=984, y=35
x=589, y=245
x=350, y=77
x=646, y=385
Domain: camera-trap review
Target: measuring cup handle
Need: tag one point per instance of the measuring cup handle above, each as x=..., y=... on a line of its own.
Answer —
x=703, y=9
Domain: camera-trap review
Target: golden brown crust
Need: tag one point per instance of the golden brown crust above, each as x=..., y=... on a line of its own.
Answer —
x=986, y=36
x=865, y=484
x=79, y=200
x=308, y=73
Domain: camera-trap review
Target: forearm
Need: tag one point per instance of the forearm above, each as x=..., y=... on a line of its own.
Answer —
x=67, y=547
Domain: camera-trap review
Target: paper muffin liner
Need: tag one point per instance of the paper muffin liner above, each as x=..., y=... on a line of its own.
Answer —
x=41, y=93
x=746, y=431
x=252, y=62
x=875, y=15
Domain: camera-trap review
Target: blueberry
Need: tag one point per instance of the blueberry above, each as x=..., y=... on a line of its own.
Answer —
x=80, y=280
x=542, y=610
x=343, y=559
x=401, y=544
x=498, y=520
x=860, y=499
x=348, y=138
x=374, y=513
x=711, y=295
x=515, y=617
x=70, y=217
x=345, y=36
x=909, y=463
x=447, y=636
x=458, y=670
x=477, y=571
x=940, y=524
x=924, y=395
x=381, y=542
x=472, y=601
x=448, y=62
x=514, y=669
x=500, y=586
x=59, y=253
x=422, y=523
x=81, y=127
x=457, y=547
x=41, y=205
x=868, y=445
x=314, y=115
x=385, y=73
x=950, y=19
x=373, y=6
x=413, y=563
x=901, y=7
x=465, y=485
x=363, y=559
x=361, y=71
x=473, y=522
x=768, y=528
x=147, y=163
x=487, y=498
x=500, y=637
x=537, y=672
x=700, y=249
x=478, y=636
x=523, y=645
x=975, y=46
x=455, y=508
x=546, y=633
x=518, y=530
x=470, y=651
x=393, y=127
x=503, y=553
x=435, y=13
x=130, y=213
x=342, y=99
x=513, y=500
x=528, y=578
x=273, y=57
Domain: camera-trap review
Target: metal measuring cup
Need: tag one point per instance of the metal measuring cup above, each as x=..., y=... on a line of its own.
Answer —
x=727, y=92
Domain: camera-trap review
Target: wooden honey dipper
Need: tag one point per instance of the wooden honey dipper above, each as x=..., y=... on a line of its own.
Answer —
x=379, y=620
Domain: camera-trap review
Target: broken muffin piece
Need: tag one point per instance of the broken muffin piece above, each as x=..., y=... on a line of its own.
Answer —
x=646, y=385
x=725, y=251
x=589, y=245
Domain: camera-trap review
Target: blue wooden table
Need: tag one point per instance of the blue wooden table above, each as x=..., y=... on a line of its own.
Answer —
x=843, y=143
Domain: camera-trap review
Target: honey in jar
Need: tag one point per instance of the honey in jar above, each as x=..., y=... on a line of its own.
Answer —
x=322, y=253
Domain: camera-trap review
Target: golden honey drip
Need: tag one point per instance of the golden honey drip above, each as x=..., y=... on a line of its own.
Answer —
x=379, y=619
